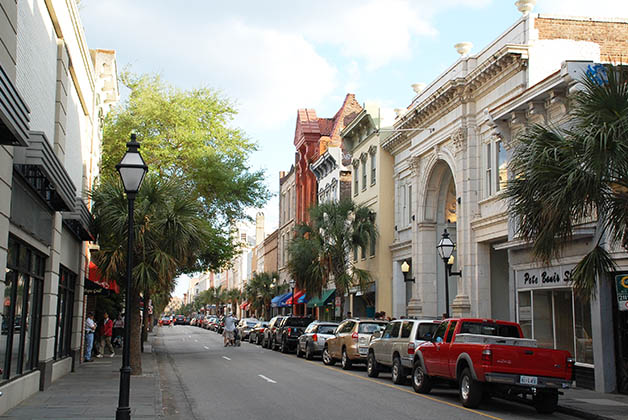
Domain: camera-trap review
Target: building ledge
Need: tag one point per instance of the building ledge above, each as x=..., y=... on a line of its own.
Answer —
x=14, y=114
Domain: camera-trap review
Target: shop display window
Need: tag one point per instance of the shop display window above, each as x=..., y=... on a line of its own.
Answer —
x=65, y=305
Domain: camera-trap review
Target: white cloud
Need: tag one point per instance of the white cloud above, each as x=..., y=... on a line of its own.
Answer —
x=599, y=8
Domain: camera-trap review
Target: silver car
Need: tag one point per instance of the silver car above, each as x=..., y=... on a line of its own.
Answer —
x=394, y=347
x=312, y=341
x=245, y=326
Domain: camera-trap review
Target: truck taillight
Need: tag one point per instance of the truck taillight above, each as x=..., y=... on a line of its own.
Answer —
x=410, y=348
x=487, y=355
x=315, y=338
x=354, y=336
x=289, y=331
x=571, y=362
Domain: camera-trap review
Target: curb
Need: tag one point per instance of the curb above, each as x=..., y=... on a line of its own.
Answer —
x=581, y=413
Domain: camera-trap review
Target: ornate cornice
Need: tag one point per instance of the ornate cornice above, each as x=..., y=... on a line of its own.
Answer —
x=459, y=138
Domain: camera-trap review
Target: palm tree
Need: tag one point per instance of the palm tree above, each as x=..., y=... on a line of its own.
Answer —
x=320, y=251
x=575, y=172
x=261, y=289
x=170, y=231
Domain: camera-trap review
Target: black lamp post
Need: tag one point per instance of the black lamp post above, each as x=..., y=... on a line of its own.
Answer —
x=445, y=250
x=292, y=283
x=132, y=169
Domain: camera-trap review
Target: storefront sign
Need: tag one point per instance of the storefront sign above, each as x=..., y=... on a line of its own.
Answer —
x=537, y=278
x=621, y=285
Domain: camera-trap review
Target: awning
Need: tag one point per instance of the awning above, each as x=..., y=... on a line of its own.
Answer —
x=96, y=276
x=244, y=304
x=325, y=297
x=303, y=299
x=297, y=296
x=278, y=300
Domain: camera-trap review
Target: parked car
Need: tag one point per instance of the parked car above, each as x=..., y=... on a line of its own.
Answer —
x=289, y=331
x=257, y=333
x=394, y=347
x=491, y=358
x=350, y=343
x=212, y=322
x=179, y=320
x=245, y=326
x=165, y=320
x=312, y=341
x=220, y=324
x=267, y=341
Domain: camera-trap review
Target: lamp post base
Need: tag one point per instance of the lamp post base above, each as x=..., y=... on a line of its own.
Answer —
x=123, y=413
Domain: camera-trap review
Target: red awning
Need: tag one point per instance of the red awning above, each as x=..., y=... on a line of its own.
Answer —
x=297, y=295
x=244, y=305
x=96, y=276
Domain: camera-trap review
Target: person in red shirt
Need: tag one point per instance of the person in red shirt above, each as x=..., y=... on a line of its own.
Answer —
x=105, y=337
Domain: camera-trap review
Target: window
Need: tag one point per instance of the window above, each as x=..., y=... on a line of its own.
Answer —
x=450, y=332
x=406, y=329
x=356, y=183
x=426, y=331
x=363, y=249
x=409, y=204
x=371, y=327
x=388, y=331
x=364, y=175
x=65, y=305
x=373, y=168
x=439, y=334
x=489, y=160
x=502, y=165
x=395, y=330
x=348, y=326
x=402, y=200
x=489, y=328
x=21, y=317
x=372, y=244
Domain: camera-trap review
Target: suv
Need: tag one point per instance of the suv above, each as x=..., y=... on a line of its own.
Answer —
x=350, y=343
x=179, y=320
x=312, y=341
x=267, y=341
x=287, y=335
x=394, y=347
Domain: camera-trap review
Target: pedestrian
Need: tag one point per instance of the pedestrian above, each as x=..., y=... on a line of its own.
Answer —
x=445, y=315
x=228, y=333
x=105, y=336
x=376, y=316
x=349, y=315
x=90, y=328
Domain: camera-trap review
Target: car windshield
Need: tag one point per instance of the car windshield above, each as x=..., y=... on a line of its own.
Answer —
x=298, y=322
x=489, y=328
x=370, y=327
x=327, y=329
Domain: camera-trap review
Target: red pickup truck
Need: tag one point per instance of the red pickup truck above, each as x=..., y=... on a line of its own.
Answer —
x=485, y=357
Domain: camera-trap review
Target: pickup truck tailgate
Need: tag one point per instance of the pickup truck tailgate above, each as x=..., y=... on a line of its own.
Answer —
x=531, y=360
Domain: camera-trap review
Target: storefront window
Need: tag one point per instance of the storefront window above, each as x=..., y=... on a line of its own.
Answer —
x=584, y=335
x=525, y=313
x=542, y=315
x=21, y=309
x=65, y=303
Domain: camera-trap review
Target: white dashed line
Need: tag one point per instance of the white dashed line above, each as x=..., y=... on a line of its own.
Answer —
x=226, y=358
x=267, y=379
x=196, y=341
x=206, y=348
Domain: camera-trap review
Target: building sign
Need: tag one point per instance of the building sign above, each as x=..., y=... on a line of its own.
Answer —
x=539, y=278
x=621, y=285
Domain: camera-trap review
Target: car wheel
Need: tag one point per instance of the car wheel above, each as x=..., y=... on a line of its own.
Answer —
x=420, y=381
x=470, y=390
x=274, y=345
x=284, y=346
x=372, y=369
x=299, y=354
x=345, y=362
x=327, y=359
x=398, y=374
x=545, y=402
x=250, y=339
x=308, y=353
x=257, y=340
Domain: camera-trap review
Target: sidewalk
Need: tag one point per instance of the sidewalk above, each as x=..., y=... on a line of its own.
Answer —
x=593, y=405
x=91, y=392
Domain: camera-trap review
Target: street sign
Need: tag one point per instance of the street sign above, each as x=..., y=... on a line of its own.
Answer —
x=621, y=285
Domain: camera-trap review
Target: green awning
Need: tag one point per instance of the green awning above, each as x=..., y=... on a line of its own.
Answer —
x=326, y=296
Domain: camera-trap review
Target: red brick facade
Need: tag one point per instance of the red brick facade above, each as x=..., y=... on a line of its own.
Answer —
x=612, y=37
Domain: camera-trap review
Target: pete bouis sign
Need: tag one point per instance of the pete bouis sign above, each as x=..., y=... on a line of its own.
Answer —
x=621, y=284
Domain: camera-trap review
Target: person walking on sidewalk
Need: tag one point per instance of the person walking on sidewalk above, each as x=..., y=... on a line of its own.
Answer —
x=105, y=336
x=90, y=328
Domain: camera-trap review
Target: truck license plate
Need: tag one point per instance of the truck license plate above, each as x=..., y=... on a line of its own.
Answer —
x=528, y=380
x=363, y=350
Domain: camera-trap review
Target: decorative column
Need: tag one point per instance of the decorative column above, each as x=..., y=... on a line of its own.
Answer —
x=415, y=307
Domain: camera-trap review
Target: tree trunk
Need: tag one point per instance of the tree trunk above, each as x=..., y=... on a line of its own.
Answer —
x=145, y=318
x=135, y=354
x=342, y=306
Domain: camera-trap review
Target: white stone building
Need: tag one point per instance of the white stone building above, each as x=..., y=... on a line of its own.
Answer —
x=451, y=154
x=54, y=94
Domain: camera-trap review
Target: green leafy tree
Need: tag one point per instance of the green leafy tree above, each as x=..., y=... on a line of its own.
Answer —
x=320, y=251
x=261, y=289
x=170, y=231
x=578, y=171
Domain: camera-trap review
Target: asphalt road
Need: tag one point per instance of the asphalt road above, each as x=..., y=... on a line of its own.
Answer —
x=201, y=379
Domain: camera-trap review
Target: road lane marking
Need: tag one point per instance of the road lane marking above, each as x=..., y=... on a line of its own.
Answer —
x=206, y=348
x=196, y=341
x=427, y=397
x=267, y=379
x=226, y=358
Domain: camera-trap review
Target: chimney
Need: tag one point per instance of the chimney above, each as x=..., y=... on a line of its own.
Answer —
x=282, y=174
x=259, y=228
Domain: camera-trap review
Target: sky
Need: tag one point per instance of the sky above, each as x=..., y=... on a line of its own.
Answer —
x=273, y=57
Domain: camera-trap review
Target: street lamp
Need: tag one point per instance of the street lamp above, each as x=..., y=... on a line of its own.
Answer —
x=445, y=250
x=292, y=283
x=405, y=269
x=132, y=169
